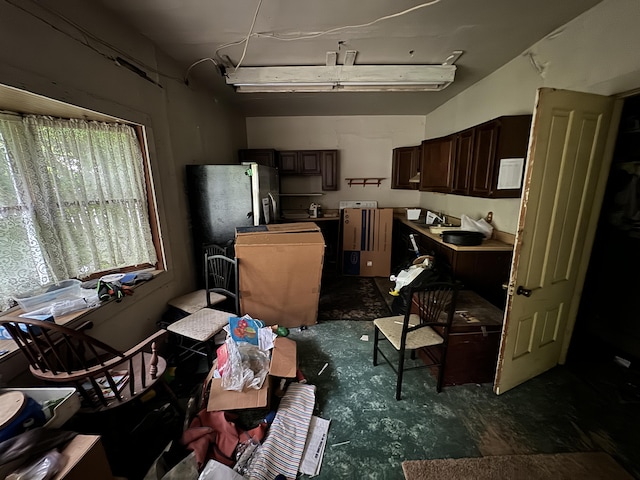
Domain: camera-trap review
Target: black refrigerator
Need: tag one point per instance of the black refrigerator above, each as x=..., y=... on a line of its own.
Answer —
x=223, y=197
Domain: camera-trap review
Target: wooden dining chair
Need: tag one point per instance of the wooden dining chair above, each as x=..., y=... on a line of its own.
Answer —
x=425, y=326
x=104, y=377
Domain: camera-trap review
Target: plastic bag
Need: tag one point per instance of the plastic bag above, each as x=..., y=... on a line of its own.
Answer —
x=246, y=366
x=481, y=226
x=89, y=299
x=42, y=469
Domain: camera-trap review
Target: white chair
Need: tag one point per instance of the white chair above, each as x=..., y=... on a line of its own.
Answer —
x=197, y=330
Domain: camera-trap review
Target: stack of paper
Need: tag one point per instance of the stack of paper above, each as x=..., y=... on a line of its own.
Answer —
x=314, y=448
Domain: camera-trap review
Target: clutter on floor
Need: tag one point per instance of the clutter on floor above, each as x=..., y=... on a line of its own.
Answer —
x=255, y=414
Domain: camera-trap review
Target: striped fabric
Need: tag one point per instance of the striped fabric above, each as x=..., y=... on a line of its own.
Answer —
x=281, y=451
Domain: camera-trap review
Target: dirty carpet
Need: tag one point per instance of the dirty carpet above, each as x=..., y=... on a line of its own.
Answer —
x=351, y=298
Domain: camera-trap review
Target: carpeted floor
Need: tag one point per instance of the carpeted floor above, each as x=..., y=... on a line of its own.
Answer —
x=591, y=465
x=351, y=298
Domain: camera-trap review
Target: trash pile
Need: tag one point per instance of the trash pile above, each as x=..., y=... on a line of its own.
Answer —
x=256, y=415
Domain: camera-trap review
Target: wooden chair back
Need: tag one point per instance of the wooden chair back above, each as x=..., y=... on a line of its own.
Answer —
x=102, y=375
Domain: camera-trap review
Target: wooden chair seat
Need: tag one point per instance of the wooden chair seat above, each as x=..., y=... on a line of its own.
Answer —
x=391, y=328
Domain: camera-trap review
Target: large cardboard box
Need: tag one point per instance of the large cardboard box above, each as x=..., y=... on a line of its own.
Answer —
x=366, y=241
x=283, y=365
x=280, y=271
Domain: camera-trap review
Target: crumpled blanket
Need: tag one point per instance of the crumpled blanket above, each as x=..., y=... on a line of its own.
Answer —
x=214, y=435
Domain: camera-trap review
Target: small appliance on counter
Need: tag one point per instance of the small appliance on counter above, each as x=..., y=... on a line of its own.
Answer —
x=315, y=210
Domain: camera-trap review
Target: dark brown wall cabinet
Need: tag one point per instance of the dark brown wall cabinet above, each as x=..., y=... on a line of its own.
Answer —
x=293, y=162
x=268, y=157
x=406, y=164
x=437, y=164
x=311, y=162
x=468, y=162
x=329, y=169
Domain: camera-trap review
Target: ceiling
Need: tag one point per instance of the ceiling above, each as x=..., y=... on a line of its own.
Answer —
x=287, y=32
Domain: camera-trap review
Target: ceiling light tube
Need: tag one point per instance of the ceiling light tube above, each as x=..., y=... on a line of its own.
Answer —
x=340, y=77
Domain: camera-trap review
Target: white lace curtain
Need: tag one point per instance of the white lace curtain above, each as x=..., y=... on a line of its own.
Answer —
x=72, y=201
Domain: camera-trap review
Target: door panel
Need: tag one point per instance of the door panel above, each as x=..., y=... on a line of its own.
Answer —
x=569, y=156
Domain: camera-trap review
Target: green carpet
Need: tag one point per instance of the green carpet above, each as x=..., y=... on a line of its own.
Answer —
x=371, y=433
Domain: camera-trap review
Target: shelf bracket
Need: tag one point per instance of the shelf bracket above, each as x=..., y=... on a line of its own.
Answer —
x=364, y=181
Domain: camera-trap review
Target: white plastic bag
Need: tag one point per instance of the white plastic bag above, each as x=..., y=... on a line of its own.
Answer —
x=246, y=367
x=481, y=226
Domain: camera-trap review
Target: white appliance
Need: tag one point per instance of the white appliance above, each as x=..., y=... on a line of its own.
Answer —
x=358, y=204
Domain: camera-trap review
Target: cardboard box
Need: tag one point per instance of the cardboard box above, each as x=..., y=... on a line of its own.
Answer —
x=366, y=241
x=283, y=365
x=280, y=271
x=86, y=458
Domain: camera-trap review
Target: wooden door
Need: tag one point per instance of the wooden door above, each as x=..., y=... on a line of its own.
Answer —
x=570, y=148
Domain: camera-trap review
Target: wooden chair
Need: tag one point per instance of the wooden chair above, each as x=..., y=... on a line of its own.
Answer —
x=427, y=330
x=103, y=376
x=196, y=331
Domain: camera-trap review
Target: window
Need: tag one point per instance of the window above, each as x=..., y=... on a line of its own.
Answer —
x=73, y=201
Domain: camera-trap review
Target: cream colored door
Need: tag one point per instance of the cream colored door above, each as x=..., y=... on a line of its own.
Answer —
x=570, y=148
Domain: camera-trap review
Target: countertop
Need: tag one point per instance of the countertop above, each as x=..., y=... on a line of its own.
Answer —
x=490, y=245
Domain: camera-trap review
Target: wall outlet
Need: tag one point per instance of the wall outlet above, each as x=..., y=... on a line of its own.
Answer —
x=369, y=263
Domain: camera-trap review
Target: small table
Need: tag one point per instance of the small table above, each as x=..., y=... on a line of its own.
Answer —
x=474, y=340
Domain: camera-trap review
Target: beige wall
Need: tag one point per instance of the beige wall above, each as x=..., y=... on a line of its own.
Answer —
x=186, y=125
x=365, y=144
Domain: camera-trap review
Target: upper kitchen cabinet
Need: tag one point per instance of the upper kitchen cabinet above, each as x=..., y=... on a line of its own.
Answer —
x=265, y=156
x=437, y=164
x=311, y=162
x=499, y=153
x=329, y=169
x=406, y=164
x=483, y=161
x=464, y=162
x=295, y=162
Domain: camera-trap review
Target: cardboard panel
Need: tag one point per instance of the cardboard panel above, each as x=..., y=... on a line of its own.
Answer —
x=284, y=358
x=280, y=275
x=221, y=399
x=366, y=241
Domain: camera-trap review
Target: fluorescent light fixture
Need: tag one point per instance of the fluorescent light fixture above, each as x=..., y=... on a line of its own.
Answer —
x=342, y=78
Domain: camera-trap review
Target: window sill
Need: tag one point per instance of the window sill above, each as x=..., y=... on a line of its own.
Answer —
x=75, y=318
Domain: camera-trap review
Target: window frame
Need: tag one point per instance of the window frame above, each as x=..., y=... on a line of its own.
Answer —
x=16, y=101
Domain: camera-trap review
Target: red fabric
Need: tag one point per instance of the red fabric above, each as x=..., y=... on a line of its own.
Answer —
x=214, y=435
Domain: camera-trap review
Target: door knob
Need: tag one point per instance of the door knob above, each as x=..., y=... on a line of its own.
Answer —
x=523, y=291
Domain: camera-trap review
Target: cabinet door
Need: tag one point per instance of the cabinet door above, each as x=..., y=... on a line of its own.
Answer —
x=406, y=162
x=288, y=162
x=329, y=169
x=309, y=162
x=437, y=164
x=267, y=157
x=464, y=162
x=486, y=141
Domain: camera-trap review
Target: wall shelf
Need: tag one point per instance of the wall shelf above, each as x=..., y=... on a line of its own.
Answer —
x=364, y=181
x=301, y=194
